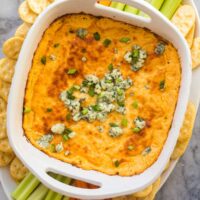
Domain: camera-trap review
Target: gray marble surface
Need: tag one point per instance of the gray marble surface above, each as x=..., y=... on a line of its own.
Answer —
x=184, y=182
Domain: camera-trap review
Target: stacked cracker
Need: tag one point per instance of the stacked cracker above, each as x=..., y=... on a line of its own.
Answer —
x=184, y=19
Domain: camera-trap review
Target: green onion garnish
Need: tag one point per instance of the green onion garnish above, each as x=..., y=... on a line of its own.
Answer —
x=106, y=42
x=125, y=40
x=43, y=60
x=72, y=71
x=97, y=36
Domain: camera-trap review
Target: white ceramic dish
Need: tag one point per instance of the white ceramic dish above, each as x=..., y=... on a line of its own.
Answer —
x=109, y=185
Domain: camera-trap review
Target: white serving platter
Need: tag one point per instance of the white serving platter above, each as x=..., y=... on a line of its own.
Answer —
x=8, y=183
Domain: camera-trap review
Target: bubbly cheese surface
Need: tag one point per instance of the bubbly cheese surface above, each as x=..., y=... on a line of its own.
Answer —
x=152, y=96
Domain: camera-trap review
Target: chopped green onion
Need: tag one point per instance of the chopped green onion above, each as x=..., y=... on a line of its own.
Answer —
x=84, y=111
x=130, y=147
x=136, y=130
x=96, y=108
x=65, y=137
x=26, y=110
x=56, y=45
x=72, y=71
x=43, y=60
x=49, y=109
x=125, y=40
x=116, y=163
x=106, y=42
x=68, y=116
x=162, y=85
x=124, y=122
x=113, y=125
x=91, y=91
x=96, y=36
x=135, y=104
x=110, y=67
x=81, y=33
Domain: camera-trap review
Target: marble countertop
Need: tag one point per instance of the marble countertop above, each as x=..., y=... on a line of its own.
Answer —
x=184, y=182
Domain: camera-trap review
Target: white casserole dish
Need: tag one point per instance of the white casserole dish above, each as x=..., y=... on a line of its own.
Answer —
x=38, y=162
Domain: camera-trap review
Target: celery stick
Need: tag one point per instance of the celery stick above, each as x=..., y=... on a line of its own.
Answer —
x=26, y=187
x=65, y=198
x=130, y=9
x=157, y=3
x=119, y=6
x=51, y=194
x=54, y=195
x=39, y=193
x=169, y=7
x=113, y=4
x=141, y=13
x=23, y=190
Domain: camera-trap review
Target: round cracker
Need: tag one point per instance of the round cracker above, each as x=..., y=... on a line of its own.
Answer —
x=190, y=36
x=4, y=90
x=5, y=146
x=26, y=14
x=17, y=170
x=3, y=106
x=12, y=47
x=7, y=66
x=6, y=158
x=185, y=132
x=37, y=6
x=155, y=189
x=195, y=52
x=3, y=132
x=184, y=19
x=144, y=192
x=22, y=30
x=125, y=198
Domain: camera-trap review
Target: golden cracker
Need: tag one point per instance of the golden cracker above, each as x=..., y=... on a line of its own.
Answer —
x=7, y=66
x=4, y=90
x=12, y=47
x=5, y=146
x=37, y=6
x=22, y=30
x=184, y=19
x=6, y=158
x=155, y=189
x=125, y=198
x=185, y=132
x=3, y=132
x=17, y=170
x=195, y=52
x=190, y=36
x=144, y=192
x=26, y=14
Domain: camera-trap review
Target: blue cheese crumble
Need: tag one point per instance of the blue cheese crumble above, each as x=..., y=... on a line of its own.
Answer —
x=109, y=92
x=58, y=128
x=140, y=123
x=115, y=131
x=136, y=57
x=59, y=147
x=45, y=140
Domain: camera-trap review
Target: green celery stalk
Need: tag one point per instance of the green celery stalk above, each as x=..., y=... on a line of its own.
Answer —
x=131, y=9
x=113, y=4
x=157, y=3
x=51, y=195
x=117, y=5
x=65, y=198
x=141, y=13
x=39, y=193
x=26, y=187
x=169, y=7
